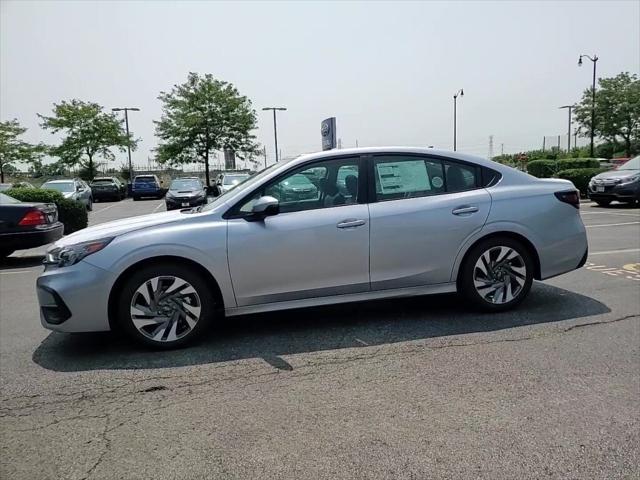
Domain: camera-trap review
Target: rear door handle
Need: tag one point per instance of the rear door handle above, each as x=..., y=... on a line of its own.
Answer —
x=351, y=223
x=463, y=210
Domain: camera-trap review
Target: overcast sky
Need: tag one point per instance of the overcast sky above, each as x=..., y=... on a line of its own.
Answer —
x=386, y=70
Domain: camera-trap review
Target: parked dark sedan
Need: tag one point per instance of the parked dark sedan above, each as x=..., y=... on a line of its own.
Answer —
x=621, y=184
x=26, y=225
x=185, y=193
x=108, y=188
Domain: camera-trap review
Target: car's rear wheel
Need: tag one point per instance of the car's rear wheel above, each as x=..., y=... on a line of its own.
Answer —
x=90, y=204
x=497, y=274
x=165, y=306
x=603, y=203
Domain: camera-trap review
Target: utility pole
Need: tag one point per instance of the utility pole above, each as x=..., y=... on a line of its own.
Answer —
x=265, y=156
x=455, y=120
x=275, y=126
x=490, y=147
x=594, y=60
x=126, y=111
x=569, y=128
x=502, y=149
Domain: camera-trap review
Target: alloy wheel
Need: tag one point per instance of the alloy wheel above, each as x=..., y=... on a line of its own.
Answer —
x=499, y=275
x=165, y=308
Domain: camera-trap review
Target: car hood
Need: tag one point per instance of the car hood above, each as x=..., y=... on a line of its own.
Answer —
x=185, y=193
x=68, y=194
x=119, y=227
x=614, y=174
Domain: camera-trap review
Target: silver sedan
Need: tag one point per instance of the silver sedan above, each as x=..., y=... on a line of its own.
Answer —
x=382, y=223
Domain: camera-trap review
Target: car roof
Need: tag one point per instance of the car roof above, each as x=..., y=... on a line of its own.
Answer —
x=66, y=180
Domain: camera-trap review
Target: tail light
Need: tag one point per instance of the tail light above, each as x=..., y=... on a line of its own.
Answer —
x=33, y=217
x=569, y=196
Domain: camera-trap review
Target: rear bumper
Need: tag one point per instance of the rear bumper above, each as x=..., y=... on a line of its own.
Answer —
x=147, y=193
x=99, y=194
x=31, y=238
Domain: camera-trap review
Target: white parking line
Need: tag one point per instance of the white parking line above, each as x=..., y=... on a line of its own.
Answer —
x=611, y=213
x=610, y=252
x=612, y=224
x=160, y=205
x=105, y=208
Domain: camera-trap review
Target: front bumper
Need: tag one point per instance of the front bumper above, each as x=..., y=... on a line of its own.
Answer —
x=31, y=238
x=75, y=299
x=624, y=192
x=179, y=202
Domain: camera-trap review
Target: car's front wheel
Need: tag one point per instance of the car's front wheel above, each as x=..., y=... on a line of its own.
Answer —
x=497, y=274
x=603, y=203
x=165, y=306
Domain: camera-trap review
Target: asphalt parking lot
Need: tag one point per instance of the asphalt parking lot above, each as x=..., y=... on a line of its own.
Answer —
x=410, y=388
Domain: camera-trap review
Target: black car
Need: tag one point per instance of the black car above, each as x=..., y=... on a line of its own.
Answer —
x=26, y=225
x=621, y=184
x=185, y=193
x=108, y=188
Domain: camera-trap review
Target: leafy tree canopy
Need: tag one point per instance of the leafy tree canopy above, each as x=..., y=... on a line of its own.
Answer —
x=617, y=113
x=13, y=149
x=201, y=116
x=88, y=132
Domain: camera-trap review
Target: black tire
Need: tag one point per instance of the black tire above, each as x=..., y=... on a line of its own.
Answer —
x=135, y=198
x=466, y=277
x=203, y=299
x=90, y=205
x=603, y=203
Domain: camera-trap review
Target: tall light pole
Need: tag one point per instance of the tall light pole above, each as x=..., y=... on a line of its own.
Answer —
x=569, y=129
x=126, y=111
x=275, y=126
x=594, y=60
x=455, y=119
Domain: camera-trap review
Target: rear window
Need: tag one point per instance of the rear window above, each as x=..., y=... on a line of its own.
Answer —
x=145, y=180
x=102, y=181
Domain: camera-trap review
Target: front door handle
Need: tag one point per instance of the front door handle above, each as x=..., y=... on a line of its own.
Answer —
x=351, y=223
x=464, y=210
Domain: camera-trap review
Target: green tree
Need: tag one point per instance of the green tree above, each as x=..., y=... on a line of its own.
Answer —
x=88, y=132
x=13, y=149
x=201, y=116
x=617, y=116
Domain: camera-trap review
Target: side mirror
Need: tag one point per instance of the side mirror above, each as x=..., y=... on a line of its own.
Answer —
x=79, y=188
x=265, y=207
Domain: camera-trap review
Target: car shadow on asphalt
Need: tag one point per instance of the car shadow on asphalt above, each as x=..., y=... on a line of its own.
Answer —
x=29, y=261
x=272, y=335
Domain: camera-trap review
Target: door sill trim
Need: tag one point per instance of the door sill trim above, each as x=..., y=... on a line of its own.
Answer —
x=345, y=298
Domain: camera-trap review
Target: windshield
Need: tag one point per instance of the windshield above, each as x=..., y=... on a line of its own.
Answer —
x=7, y=199
x=59, y=186
x=234, y=179
x=185, y=184
x=298, y=179
x=246, y=185
x=633, y=164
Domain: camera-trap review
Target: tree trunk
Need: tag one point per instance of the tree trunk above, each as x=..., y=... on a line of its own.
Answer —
x=206, y=167
x=1, y=173
x=90, y=166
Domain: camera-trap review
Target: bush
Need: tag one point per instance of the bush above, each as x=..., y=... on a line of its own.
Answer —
x=542, y=168
x=571, y=163
x=71, y=213
x=580, y=177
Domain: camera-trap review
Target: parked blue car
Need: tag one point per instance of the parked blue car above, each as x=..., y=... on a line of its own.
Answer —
x=146, y=186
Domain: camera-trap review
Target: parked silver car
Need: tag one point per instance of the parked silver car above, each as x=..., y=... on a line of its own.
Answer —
x=415, y=221
x=75, y=189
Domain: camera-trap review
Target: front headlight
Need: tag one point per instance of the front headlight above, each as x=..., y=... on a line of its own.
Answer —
x=629, y=180
x=72, y=254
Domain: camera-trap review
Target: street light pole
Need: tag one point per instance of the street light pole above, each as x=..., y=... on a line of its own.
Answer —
x=126, y=123
x=594, y=60
x=569, y=129
x=275, y=126
x=455, y=119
